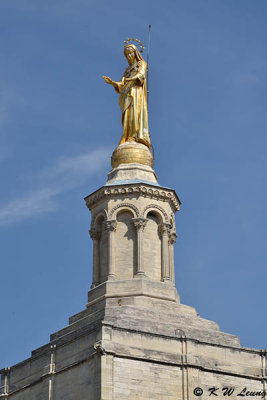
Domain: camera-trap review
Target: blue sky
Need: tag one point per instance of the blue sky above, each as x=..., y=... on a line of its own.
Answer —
x=59, y=123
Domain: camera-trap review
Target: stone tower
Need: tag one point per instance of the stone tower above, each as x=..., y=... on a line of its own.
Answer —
x=133, y=230
x=135, y=340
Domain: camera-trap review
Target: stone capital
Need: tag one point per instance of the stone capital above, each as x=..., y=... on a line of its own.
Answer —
x=94, y=234
x=111, y=225
x=172, y=237
x=165, y=228
x=140, y=223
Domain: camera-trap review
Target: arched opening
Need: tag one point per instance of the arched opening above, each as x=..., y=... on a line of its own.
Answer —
x=125, y=246
x=152, y=246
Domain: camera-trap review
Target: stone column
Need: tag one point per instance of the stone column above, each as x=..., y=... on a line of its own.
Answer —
x=140, y=224
x=172, y=240
x=165, y=265
x=95, y=236
x=111, y=226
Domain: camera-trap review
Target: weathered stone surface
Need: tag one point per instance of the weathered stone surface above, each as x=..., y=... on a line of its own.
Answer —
x=133, y=287
x=126, y=348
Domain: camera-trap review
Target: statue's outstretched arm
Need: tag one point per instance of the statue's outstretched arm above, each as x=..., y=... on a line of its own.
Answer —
x=117, y=85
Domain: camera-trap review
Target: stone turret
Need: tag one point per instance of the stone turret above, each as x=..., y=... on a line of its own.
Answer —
x=133, y=231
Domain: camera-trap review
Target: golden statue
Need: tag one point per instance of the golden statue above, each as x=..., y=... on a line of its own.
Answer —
x=132, y=89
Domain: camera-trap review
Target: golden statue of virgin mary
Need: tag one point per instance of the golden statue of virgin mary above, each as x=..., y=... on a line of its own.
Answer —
x=133, y=98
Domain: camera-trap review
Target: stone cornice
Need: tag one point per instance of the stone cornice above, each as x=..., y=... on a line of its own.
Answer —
x=145, y=190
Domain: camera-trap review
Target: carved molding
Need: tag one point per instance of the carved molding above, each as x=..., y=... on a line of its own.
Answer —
x=124, y=205
x=157, y=207
x=99, y=348
x=141, y=190
x=172, y=220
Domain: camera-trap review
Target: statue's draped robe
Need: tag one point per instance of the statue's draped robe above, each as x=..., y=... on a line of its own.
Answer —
x=133, y=104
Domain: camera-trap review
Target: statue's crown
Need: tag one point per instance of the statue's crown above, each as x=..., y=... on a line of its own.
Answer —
x=131, y=41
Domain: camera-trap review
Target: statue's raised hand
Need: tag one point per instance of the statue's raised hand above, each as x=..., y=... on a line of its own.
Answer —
x=108, y=80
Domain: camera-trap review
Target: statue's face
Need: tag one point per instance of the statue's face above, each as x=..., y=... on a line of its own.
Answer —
x=129, y=54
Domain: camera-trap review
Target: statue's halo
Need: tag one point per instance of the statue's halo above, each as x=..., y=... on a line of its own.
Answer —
x=131, y=41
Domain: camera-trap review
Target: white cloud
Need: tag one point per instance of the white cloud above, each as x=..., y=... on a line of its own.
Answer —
x=66, y=174
x=36, y=202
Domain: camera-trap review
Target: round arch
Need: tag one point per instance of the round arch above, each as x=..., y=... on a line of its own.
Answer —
x=124, y=207
x=95, y=219
x=157, y=210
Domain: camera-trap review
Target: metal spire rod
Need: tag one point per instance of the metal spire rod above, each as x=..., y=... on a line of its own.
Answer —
x=147, y=61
